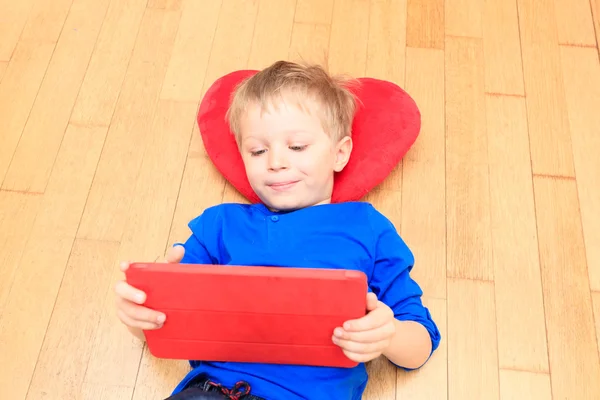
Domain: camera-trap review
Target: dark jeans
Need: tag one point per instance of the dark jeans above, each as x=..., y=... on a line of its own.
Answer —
x=202, y=388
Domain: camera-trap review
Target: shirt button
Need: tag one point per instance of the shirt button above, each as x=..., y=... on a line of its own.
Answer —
x=274, y=218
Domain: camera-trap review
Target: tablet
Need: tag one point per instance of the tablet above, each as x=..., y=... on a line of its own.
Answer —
x=275, y=315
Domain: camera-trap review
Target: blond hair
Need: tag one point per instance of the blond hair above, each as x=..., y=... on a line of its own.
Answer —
x=335, y=102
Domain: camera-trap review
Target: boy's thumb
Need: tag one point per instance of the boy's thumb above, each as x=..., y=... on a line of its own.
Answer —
x=371, y=301
x=175, y=254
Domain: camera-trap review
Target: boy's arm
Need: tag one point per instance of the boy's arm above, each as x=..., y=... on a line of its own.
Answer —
x=416, y=334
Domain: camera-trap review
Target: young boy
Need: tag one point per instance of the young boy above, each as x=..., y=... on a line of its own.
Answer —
x=293, y=127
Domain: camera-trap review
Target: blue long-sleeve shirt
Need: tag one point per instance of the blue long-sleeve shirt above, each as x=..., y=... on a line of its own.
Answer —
x=351, y=235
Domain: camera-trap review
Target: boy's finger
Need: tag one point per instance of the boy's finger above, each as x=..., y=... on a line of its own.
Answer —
x=369, y=336
x=361, y=358
x=128, y=292
x=133, y=323
x=371, y=301
x=142, y=314
x=175, y=254
x=124, y=265
x=373, y=320
x=361, y=348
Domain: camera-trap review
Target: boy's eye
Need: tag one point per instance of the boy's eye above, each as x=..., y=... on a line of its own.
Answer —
x=257, y=152
x=298, y=148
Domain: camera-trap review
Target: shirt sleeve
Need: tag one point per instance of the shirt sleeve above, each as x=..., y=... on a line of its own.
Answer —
x=391, y=280
x=196, y=247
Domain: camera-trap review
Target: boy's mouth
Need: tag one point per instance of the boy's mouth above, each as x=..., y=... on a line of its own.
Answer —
x=282, y=186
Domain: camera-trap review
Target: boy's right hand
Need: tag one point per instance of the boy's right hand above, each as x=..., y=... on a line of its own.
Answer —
x=130, y=309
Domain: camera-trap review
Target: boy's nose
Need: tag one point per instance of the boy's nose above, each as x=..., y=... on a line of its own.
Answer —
x=277, y=161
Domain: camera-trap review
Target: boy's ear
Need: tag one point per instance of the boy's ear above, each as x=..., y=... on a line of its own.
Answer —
x=342, y=153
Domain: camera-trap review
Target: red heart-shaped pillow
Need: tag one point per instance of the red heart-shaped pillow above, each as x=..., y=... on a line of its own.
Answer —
x=386, y=124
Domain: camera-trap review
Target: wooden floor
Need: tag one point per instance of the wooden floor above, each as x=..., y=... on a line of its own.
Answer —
x=101, y=161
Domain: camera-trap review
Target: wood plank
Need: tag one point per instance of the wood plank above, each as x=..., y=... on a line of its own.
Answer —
x=309, y=43
x=467, y=186
x=425, y=24
x=595, y=5
x=349, y=38
x=581, y=72
x=66, y=347
x=549, y=133
x=104, y=77
x=524, y=385
x=574, y=22
x=146, y=232
x=36, y=153
x=25, y=318
x=502, y=48
x=596, y=305
x=424, y=216
x=464, y=18
x=12, y=21
x=200, y=176
x=25, y=72
x=233, y=41
x=314, y=11
x=430, y=382
x=267, y=47
x=17, y=215
x=28, y=310
x=472, y=352
x=91, y=391
x=187, y=67
x=386, y=51
x=3, y=67
x=572, y=345
x=110, y=197
x=521, y=335
x=171, y=5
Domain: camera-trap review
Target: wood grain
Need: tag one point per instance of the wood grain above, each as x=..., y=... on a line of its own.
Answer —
x=273, y=16
x=49, y=245
x=349, y=38
x=581, y=72
x=472, y=351
x=309, y=43
x=595, y=5
x=502, y=48
x=467, y=181
x=386, y=54
x=549, y=131
x=110, y=197
x=17, y=215
x=425, y=24
x=521, y=336
x=523, y=385
x=12, y=21
x=24, y=74
x=34, y=157
x=596, y=306
x=103, y=80
x=464, y=18
x=572, y=345
x=184, y=79
x=424, y=216
x=574, y=22
x=67, y=350
x=314, y=11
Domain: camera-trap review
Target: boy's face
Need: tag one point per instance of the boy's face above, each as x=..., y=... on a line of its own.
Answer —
x=289, y=159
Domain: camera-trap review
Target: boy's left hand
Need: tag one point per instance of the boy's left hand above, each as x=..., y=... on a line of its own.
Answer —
x=366, y=338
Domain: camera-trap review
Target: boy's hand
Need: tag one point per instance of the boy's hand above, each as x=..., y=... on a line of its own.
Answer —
x=129, y=300
x=366, y=338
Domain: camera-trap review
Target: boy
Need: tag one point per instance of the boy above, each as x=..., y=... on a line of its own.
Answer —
x=293, y=127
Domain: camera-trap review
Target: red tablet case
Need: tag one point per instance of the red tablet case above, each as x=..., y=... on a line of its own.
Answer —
x=271, y=315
